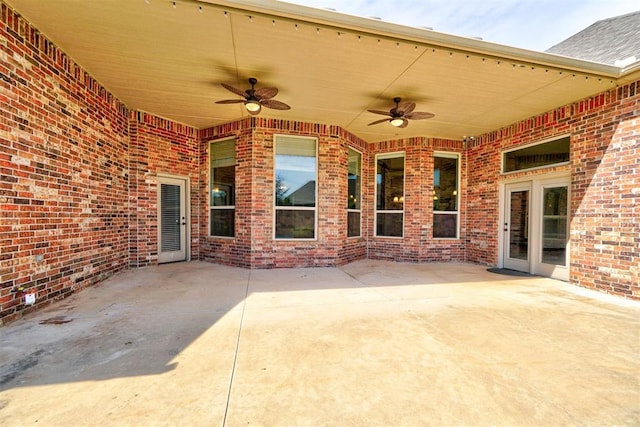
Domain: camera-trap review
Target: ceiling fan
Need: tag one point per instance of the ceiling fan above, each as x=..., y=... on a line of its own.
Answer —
x=401, y=114
x=255, y=99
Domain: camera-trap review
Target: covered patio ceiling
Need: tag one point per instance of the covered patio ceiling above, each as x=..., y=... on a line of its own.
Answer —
x=169, y=58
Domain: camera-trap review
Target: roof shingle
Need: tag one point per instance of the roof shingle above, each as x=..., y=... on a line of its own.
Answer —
x=606, y=41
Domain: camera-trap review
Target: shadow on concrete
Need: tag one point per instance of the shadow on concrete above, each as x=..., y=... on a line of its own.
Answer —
x=137, y=322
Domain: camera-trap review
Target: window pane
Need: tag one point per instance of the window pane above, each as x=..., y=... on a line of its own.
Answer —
x=170, y=233
x=554, y=227
x=223, y=153
x=519, y=225
x=295, y=165
x=390, y=183
x=223, y=183
x=353, y=179
x=389, y=224
x=222, y=222
x=445, y=225
x=223, y=173
x=295, y=224
x=223, y=186
x=445, y=184
x=353, y=224
x=545, y=154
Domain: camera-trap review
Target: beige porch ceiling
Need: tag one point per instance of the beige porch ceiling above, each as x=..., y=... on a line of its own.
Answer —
x=169, y=58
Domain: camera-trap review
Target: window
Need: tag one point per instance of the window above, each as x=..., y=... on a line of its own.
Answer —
x=222, y=160
x=445, y=196
x=295, y=187
x=354, y=178
x=535, y=156
x=389, y=194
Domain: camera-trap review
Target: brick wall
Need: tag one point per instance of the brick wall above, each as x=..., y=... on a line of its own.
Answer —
x=352, y=248
x=159, y=146
x=231, y=251
x=418, y=244
x=605, y=187
x=482, y=201
x=605, y=203
x=63, y=169
x=78, y=171
x=254, y=245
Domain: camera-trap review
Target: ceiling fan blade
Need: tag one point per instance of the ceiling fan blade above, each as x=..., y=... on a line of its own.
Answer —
x=234, y=90
x=405, y=107
x=419, y=115
x=378, y=121
x=230, y=101
x=266, y=92
x=384, y=113
x=276, y=105
x=404, y=124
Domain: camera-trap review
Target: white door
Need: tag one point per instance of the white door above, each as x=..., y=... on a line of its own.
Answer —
x=516, y=227
x=172, y=220
x=536, y=227
x=552, y=228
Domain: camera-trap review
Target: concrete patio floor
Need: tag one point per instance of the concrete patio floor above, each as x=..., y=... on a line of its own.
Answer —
x=369, y=343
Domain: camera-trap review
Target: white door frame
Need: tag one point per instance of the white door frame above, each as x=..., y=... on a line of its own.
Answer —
x=538, y=267
x=512, y=263
x=538, y=183
x=184, y=253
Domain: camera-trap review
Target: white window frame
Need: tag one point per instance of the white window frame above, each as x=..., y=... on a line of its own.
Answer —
x=450, y=155
x=361, y=182
x=294, y=208
x=391, y=155
x=211, y=208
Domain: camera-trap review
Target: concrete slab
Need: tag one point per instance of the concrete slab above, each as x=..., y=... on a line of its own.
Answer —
x=370, y=343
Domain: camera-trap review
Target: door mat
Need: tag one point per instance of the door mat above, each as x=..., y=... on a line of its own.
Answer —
x=509, y=272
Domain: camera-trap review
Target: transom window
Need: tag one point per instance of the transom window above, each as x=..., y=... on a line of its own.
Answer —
x=389, y=194
x=222, y=160
x=354, y=183
x=535, y=156
x=445, y=195
x=295, y=187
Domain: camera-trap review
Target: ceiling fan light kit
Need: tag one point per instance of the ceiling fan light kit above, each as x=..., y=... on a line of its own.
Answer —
x=253, y=106
x=401, y=114
x=397, y=122
x=254, y=99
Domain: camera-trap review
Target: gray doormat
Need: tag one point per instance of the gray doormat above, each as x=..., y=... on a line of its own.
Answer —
x=509, y=272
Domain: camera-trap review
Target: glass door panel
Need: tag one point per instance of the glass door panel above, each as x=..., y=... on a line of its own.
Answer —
x=554, y=225
x=519, y=225
x=170, y=218
x=172, y=222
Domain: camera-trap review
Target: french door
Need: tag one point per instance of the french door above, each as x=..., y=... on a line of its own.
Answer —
x=536, y=227
x=517, y=227
x=172, y=219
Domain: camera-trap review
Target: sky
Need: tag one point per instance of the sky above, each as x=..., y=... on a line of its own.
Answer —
x=528, y=24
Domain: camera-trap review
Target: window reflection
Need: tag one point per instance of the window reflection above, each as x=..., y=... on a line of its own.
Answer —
x=222, y=197
x=554, y=226
x=295, y=187
x=445, y=196
x=354, y=172
x=390, y=194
